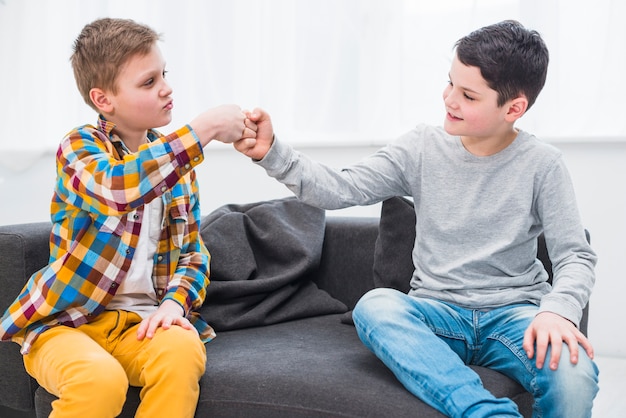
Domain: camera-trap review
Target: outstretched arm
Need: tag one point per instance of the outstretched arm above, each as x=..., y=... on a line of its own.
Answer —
x=257, y=148
x=226, y=123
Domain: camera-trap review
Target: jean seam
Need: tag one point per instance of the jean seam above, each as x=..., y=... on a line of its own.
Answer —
x=441, y=332
x=523, y=358
x=520, y=354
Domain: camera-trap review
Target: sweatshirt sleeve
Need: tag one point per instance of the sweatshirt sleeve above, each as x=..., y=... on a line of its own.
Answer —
x=573, y=259
x=371, y=180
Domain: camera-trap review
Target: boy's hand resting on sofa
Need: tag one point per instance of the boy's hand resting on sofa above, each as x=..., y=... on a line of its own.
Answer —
x=257, y=148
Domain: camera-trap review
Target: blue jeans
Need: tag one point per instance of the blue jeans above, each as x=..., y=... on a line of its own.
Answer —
x=428, y=344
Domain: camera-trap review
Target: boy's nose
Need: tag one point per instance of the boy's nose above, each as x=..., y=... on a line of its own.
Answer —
x=166, y=90
x=447, y=92
x=448, y=99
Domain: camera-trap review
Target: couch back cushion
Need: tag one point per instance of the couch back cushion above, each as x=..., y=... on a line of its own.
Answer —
x=347, y=256
x=393, y=262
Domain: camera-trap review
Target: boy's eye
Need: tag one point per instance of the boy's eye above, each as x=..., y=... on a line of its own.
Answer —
x=464, y=94
x=164, y=73
x=149, y=82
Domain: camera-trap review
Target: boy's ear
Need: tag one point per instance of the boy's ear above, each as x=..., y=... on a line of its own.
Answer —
x=516, y=108
x=100, y=100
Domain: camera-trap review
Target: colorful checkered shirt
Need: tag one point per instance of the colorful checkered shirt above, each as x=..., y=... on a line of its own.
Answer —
x=96, y=212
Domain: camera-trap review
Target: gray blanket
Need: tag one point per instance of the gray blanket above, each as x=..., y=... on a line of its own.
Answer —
x=263, y=256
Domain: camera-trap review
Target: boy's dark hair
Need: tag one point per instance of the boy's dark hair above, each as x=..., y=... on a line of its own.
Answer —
x=101, y=50
x=513, y=60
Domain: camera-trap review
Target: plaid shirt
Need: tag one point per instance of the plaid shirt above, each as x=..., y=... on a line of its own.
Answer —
x=97, y=208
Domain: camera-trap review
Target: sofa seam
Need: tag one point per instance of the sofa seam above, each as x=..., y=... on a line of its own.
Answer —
x=273, y=406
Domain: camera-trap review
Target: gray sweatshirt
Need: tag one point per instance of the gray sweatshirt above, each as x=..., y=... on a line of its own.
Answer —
x=478, y=218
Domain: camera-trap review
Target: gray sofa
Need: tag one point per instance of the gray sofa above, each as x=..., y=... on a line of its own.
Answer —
x=285, y=344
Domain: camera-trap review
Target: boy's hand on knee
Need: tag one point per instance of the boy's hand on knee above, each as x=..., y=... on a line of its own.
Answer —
x=551, y=330
x=169, y=313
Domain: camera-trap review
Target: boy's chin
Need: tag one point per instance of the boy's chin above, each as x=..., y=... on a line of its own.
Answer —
x=450, y=130
x=455, y=128
x=163, y=122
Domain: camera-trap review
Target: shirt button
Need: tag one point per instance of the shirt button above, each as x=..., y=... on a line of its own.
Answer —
x=196, y=159
x=135, y=216
x=160, y=258
x=187, y=166
x=164, y=189
x=128, y=251
x=113, y=285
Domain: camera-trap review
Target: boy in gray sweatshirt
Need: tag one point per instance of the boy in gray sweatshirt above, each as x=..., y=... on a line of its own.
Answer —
x=483, y=192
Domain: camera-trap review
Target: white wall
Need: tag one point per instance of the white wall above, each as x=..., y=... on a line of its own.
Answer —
x=325, y=69
x=598, y=169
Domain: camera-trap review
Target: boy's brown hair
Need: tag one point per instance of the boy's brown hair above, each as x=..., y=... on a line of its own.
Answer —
x=101, y=50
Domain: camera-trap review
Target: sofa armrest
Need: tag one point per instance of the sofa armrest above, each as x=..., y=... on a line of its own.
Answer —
x=24, y=249
x=347, y=257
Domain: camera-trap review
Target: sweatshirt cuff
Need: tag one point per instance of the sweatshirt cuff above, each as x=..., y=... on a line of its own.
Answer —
x=277, y=158
x=559, y=306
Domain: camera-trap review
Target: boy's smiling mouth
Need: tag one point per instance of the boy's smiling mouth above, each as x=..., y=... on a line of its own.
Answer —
x=452, y=117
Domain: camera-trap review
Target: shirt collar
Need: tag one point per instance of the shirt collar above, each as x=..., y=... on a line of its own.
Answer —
x=107, y=127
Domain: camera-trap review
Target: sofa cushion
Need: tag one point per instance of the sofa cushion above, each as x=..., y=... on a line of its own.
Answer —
x=263, y=258
x=314, y=367
x=393, y=263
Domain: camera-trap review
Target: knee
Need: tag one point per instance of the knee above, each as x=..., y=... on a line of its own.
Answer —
x=103, y=381
x=378, y=305
x=113, y=385
x=582, y=376
x=580, y=379
x=574, y=385
x=182, y=347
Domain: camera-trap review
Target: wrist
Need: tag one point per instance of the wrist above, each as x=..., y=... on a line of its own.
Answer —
x=203, y=134
x=173, y=304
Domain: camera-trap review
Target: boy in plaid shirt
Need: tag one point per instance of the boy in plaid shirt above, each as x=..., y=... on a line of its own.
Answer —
x=116, y=304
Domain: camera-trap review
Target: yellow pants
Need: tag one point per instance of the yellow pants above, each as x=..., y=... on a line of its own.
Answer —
x=90, y=367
